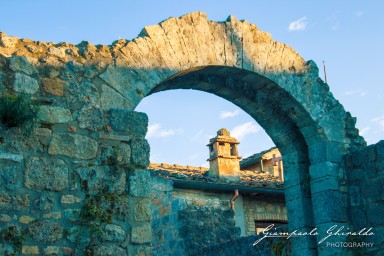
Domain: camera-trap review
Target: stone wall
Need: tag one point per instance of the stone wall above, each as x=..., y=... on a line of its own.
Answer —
x=166, y=239
x=244, y=246
x=365, y=173
x=205, y=218
x=74, y=186
x=262, y=208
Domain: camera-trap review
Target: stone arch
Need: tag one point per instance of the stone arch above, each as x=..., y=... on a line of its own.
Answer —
x=234, y=60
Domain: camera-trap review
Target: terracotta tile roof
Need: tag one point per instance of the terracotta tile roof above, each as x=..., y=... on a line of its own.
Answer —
x=254, y=158
x=199, y=174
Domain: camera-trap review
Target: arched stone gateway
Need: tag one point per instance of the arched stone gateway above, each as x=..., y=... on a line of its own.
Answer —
x=88, y=128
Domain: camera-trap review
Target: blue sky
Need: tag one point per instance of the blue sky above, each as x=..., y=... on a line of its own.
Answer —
x=348, y=35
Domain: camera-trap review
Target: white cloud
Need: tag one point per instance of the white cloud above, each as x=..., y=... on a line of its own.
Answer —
x=197, y=136
x=358, y=92
x=300, y=24
x=155, y=131
x=379, y=121
x=364, y=131
x=228, y=114
x=242, y=130
x=359, y=14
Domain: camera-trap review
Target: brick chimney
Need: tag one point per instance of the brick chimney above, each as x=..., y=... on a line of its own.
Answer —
x=223, y=156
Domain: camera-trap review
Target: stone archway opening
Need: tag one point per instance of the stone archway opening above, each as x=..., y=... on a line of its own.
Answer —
x=282, y=117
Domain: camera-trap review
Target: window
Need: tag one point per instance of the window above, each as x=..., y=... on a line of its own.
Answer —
x=260, y=225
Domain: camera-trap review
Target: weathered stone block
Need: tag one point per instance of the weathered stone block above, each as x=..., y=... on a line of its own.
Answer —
x=112, y=99
x=140, y=150
x=10, y=156
x=83, y=93
x=135, y=123
x=139, y=183
x=97, y=177
x=9, y=177
x=45, y=202
x=109, y=250
x=78, y=234
x=25, y=84
x=52, y=250
x=141, y=233
x=52, y=215
x=14, y=202
x=5, y=218
x=73, y=145
x=52, y=114
x=324, y=184
x=8, y=41
x=373, y=214
x=113, y=78
x=329, y=206
x=123, y=154
x=30, y=250
x=114, y=233
x=324, y=169
x=91, y=117
x=53, y=86
x=26, y=219
x=46, y=173
x=70, y=199
x=142, y=209
x=21, y=64
x=46, y=231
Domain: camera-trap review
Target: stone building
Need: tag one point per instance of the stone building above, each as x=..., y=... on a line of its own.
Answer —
x=78, y=184
x=268, y=161
x=246, y=200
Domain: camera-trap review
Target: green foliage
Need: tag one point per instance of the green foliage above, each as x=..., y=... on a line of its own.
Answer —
x=99, y=209
x=18, y=111
x=13, y=235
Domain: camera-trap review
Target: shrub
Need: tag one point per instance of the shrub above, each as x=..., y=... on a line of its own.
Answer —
x=18, y=111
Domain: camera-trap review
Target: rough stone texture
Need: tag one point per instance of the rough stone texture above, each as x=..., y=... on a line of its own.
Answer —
x=111, y=99
x=97, y=178
x=9, y=177
x=14, y=202
x=139, y=181
x=52, y=114
x=53, y=86
x=366, y=194
x=232, y=59
x=70, y=199
x=114, y=232
x=205, y=220
x=142, y=211
x=141, y=233
x=26, y=219
x=260, y=208
x=30, y=250
x=10, y=156
x=83, y=93
x=91, y=117
x=52, y=250
x=123, y=154
x=135, y=123
x=73, y=145
x=21, y=64
x=46, y=173
x=7, y=41
x=46, y=231
x=140, y=150
x=109, y=250
x=25, y=84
